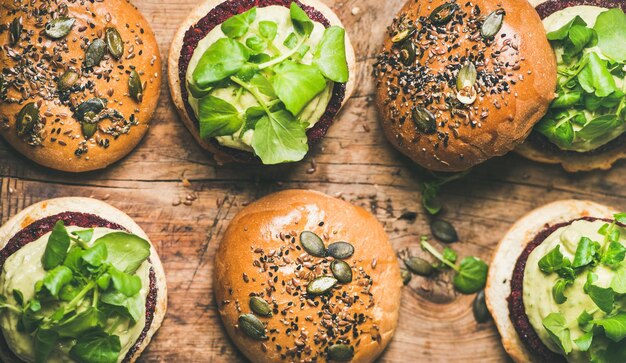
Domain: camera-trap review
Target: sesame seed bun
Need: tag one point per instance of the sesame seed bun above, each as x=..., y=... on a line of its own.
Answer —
x=58, y=141
x=511, y=97
x=220, y=153
x=509, y=250
x=39, y=211
x=265, y=235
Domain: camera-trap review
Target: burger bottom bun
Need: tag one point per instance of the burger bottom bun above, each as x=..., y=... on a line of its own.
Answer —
x=256, y=231
x=176, y=47
x=105, y=211
x=508, y=251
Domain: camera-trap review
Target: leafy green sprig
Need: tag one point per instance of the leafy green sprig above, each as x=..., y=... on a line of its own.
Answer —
x=431, y=186
x=89, y=289
x=280, y=83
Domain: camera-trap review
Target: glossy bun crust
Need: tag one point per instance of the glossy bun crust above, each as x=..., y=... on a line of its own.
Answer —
x=32, y=66
x=516, y=78
x=261, y=255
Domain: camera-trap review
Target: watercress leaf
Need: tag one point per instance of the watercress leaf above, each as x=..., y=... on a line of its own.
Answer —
x=217, y=117
x=29, y=321
x=268, y=29
x=603, y=230
x=584, y=341
x=604, y=298
x=44, y=342
x=599, y=127
x=297, y=84
x=280, y=138
x=301, y=52
x=560, y=133
x=579, y=36
x=618, y=282
x=472, y=275
x=585, y=321
x=585, y=253
x=614, y=253
x=98, y=347
x=125, y=251
x=562, y=33
x=57, y=278
x=567, y=100
x=620, y=218
x=84, y=235
x=95, y=255
x=56, y=249
x=222, y=59
x=130, y=307
x=556, y=326
x=18, y=296
x=615, y=352
x=256, y=44
x=291, y=41
x=301, y=21
x=558, y=290
x=263, y=85
x=128, y=285
x=69, y=292
x=614, y=326
x=260, y=58
x=566, y=271
x=238, y=25
x=330, y=55
x=73, y=259
x=611, y=29
x=552, y=261
x=596, y=78
x=77, y=325
x=430, y=201
x=104, y=281
x=197, y=91
x=247, y=72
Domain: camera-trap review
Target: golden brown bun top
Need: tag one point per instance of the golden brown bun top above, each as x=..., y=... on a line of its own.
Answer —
x=261, y=255
x=515, y=84
x=33, y=65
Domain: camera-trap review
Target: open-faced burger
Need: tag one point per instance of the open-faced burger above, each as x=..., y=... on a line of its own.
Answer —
x=557, y=285
x=585, y=127
x=79, y=282
x=260, y=81
x=303, y=277
x=460, y=82
x=79, y=80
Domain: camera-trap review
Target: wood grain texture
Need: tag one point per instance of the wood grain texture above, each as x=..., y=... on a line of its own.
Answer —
x=354, y=161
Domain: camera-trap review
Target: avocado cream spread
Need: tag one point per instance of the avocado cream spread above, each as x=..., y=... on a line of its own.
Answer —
x=574, y=289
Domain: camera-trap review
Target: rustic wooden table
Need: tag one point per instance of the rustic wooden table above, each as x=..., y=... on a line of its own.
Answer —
x=354, y=161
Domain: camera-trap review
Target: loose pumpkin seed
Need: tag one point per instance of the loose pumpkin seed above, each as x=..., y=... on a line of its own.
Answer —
x=59, y=27
x=443, y=13
x=402, y=35
x=406, y=276
x=321, y=285
x=114, y=42
x=493, y=24
x=419, y=266
x=340, y=250
x=479, y=308
x=342, y=271
x=135, y=89
x=27, y=118
x=260, y=306
x=252, y=326
x=312, y=244
x=67, y=80
x=16, y=30
x=443, y=231
x=95, y=105
x=466, y=77
x=408, y=53
x=424, y=120
x=95, y=52
x=340, y=352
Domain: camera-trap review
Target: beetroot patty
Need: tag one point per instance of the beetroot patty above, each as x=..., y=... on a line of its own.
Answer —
x=546, y=9
x=37, y=229
x=216, y=17
x=517, y=310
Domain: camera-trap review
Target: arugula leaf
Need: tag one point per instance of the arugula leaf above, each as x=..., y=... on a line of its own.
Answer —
x=84, y=235
x=128, y=285
x=585, y=253
x=98, y=347
x=558, y=290
x=584, y=341
x=130, y=307
x=95, y=255
x=330, y=55
x=217, y=117
x=268, y=29
x=301, y=21
x=604, y=298
x=552, y=261
x=595, y=77
x=563, y=32
x=614, y=254
x=556, y=326
x=297, y=84
x=56, y=279
x=238, y=25
x=611, y=29
x=279, y=137
x=471, y=276
x=44, y=343
x=56, y=249
x=77, y=325
x=222, y=59
x=125, y=251
x=614, y=326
